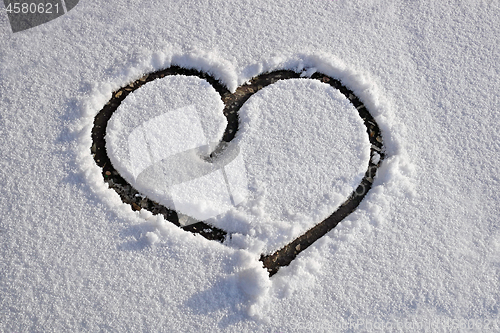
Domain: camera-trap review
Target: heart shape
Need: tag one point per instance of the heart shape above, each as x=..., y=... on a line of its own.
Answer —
x=25, y=15
x=232, y=103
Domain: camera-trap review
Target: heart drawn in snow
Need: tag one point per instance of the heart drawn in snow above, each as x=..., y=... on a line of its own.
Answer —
x=195, y=175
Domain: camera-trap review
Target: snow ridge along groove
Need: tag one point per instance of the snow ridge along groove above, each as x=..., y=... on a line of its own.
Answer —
x=232, y=103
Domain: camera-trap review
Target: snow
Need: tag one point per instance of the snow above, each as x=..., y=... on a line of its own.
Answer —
x=157, y=140
x=423, y=248
x=305, y=150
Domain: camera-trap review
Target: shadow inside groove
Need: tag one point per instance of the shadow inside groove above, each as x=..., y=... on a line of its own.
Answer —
x=232, y=104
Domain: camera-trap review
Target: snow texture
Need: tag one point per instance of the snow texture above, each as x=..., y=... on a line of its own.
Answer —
x=158, y=139
x=301, y=144
x=422, y=249
x=305, y=150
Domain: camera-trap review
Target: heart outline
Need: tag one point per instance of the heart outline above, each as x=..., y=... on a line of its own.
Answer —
x=233, y=102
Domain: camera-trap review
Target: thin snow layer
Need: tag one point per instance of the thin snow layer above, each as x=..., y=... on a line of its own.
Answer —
x=423, y=248
x=305, y=150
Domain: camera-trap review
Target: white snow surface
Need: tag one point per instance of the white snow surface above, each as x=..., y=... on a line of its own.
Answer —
x=306, y=150
x=164, y=118
x=423, y=247
x=157, y=139
x=302, y=149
